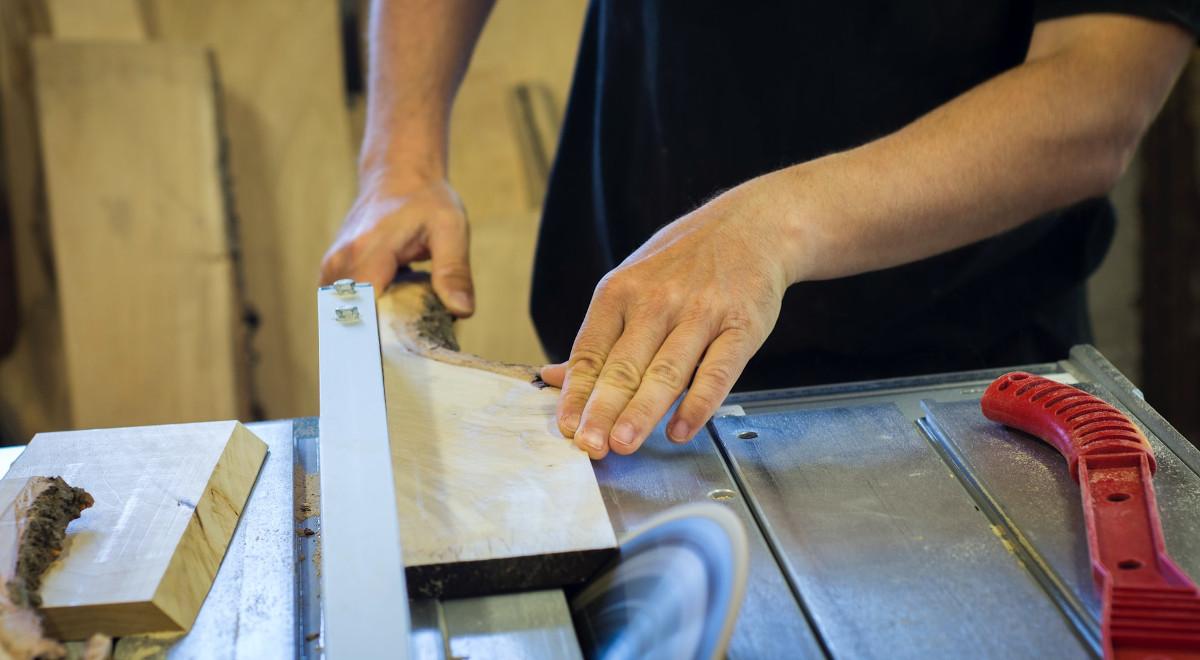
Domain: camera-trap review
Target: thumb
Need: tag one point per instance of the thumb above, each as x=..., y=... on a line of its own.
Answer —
x=554, y=374
x=449, y=248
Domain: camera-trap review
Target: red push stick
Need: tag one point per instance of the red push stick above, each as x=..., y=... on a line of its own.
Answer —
x=1150, y=608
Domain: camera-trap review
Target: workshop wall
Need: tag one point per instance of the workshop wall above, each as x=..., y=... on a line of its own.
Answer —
x=284, y=82
x=289, y=110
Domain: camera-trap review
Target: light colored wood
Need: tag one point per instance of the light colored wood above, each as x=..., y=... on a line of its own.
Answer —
x=481, y=471
x=292, y=164
x=167, y=499
x=502, y=260
x=524, y=42
x=138, y=223
x=96, y=19
x=33, y=384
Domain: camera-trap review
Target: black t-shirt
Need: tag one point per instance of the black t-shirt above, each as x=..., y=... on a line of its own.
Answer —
x=673, y=102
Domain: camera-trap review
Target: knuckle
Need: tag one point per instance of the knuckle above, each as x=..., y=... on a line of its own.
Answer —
x=621, y=374
x=738, y=321
x=585, y=362
x=666, y=372
x=719, y=374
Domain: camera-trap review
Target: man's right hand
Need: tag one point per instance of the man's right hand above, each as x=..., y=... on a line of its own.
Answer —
x=396, y=222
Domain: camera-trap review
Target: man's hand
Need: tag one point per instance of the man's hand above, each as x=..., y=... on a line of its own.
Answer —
x=394, y=223
x=699, y=297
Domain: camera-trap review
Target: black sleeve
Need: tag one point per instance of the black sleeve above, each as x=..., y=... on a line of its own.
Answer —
x=1184, y=13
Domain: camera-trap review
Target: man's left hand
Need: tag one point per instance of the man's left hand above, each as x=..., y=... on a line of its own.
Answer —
x=697, y=299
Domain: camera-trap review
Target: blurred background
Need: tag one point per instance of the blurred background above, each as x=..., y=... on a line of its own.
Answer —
x=173, y=170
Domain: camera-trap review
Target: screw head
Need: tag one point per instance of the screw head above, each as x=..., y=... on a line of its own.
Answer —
x=344, y=287
x=346, y=314
x=721, y=494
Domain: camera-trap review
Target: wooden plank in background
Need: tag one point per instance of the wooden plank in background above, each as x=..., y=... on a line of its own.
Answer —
x=167, y=500
x=502, y=259
x=138, y=223
x=33, y=385
x=95, y=19
x=490, y=496
x=292, y=164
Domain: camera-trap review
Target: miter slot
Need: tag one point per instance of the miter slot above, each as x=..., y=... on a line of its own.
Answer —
x=1027, y=483
x=887, y=550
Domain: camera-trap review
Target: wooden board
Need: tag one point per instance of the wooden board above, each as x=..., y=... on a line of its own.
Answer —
x=167, y=499
x=292, y=164
x=33, y=382
x=138, y=225
x=95, y=19
x=490, y=496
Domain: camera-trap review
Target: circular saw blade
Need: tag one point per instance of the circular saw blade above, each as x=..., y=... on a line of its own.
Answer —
x=674, y=591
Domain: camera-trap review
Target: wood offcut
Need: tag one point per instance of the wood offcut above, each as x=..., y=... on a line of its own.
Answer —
x=167, y=501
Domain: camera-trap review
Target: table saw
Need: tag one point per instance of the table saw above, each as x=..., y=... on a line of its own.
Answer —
x=884, y=519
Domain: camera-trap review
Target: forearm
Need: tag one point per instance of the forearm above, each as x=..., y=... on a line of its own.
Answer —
x=419, y=52
x=1058, y=129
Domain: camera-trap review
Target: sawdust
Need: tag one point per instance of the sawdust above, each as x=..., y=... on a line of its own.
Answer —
x=308, y=505
x=145, y=647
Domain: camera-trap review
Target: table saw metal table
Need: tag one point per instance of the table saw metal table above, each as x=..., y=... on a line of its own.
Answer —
x=886, y=519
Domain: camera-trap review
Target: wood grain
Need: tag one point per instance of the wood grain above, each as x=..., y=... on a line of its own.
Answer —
x=279, y=62
x=490, y=496
x=95, y=19
x=167, y=499
x=33, y=381
x=138, y=218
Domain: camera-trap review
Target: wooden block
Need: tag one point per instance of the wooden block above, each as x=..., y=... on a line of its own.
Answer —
x=490, y=496
x=95, y=19
x=292, y=164
x=167, y=499
x=138, y=224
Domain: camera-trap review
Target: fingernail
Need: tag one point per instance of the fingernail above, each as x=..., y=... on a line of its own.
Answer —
x=624, y=433
x=679, y=430
x=571, y=423
x=461, y=300
x=591, y=440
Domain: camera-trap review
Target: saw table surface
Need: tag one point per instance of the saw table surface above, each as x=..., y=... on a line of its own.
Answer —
x=886, y=519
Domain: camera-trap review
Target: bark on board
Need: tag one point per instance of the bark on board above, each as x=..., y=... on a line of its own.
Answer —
x=490, y=496
x=291, y=161
x=167, y=499
x=139, y=231
x=34, y=514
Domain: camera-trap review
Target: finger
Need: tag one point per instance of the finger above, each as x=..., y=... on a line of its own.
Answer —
x=620, y=378
x=449, y=246
x=663, y=381
x=600, y=330
x=553, y=374
x=718, y=371
x=347, y=262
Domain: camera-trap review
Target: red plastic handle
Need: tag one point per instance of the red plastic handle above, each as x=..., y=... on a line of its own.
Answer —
x=1150, y=608
x=1075, y=422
